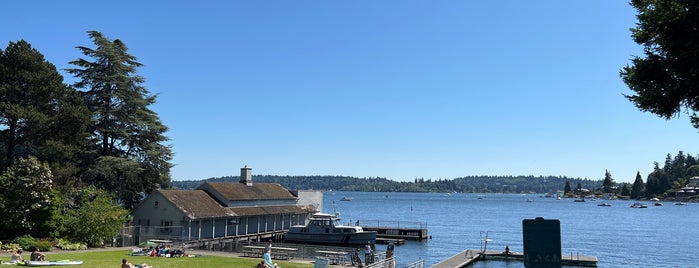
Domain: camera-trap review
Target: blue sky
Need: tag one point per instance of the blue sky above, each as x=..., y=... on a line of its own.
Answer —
x=395, y=89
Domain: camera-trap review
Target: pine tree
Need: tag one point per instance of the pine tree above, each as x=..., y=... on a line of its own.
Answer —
x=39, y=114
x=129, y=155
x=637, y=188
x=608, y=183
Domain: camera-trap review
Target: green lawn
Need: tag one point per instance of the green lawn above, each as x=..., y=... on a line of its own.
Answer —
x=99, y=259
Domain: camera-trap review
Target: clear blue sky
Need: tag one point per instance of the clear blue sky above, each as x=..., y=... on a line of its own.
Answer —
x=398, y=89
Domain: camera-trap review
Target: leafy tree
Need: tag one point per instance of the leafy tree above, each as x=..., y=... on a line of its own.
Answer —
x=665, y=79
x=27, y=194
x=608, y=182
x=97, y=220
x=567, y=189
x=637, y=188
x=125, y=131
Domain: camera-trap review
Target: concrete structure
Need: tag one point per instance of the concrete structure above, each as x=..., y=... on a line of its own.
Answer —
x=217, y=210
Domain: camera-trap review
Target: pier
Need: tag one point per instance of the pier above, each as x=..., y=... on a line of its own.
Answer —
x=470, y=256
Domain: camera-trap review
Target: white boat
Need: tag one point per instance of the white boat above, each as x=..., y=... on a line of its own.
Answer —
x=680, y=203
x=639, y=205
x=53, y=263
x=325, y=228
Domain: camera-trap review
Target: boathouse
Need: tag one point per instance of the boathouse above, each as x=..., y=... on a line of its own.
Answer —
x=218, y=210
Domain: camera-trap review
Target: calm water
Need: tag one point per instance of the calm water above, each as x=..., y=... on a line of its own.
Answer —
x=619, y=236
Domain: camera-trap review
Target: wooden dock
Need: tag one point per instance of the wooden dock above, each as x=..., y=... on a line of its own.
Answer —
x=462, y=259
x=469, y=256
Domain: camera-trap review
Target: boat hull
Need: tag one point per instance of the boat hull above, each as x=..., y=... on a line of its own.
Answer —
x=331, y=238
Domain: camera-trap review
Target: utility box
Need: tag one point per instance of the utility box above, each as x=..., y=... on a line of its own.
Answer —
x=542, y=242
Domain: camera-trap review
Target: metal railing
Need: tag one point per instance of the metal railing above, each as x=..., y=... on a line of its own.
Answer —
x=385, y=263
x=417, y=264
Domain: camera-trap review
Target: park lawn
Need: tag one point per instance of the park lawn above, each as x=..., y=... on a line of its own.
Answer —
x=100, y=259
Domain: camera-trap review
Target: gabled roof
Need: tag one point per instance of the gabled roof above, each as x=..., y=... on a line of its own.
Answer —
x=196, y=204
x=241, y=192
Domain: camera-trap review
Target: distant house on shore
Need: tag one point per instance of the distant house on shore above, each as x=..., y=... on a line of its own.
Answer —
x=215, y=210
x=691, y=188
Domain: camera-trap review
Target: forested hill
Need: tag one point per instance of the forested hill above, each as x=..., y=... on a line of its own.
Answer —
x=471, y=184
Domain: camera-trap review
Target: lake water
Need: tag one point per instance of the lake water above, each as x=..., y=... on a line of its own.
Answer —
x=619, y=236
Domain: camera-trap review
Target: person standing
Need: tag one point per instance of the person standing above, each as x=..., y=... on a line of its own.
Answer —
x=268, y=254
x=367, y=253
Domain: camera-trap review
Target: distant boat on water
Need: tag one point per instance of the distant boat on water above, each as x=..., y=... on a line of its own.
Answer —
x=346, y=198
x=604, y=204
x=639, y=205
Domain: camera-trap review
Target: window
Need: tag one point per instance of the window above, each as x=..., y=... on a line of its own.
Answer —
x=166, y=227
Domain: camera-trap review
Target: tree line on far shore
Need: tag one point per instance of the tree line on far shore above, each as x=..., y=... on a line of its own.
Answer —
x=471, y=184
x=661, y=183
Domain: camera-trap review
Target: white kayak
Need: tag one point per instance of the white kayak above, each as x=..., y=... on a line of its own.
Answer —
x=53, y=263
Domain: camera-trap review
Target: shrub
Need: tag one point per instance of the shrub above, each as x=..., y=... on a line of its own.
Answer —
x=11, y=247
x=67, y=245
x=44, y=245
x=26, y=242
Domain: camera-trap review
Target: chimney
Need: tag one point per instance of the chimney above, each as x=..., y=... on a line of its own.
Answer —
x=246, y=175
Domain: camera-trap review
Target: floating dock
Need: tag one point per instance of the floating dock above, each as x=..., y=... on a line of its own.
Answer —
x=398, y=232
x=470, y=256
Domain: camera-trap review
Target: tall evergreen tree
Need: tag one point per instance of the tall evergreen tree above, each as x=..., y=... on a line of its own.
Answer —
x=625, y=191
x=637, y=188
x=566, y=189
x=608, y=183
x=39, y=115
x=665, y=79
x=129, y=151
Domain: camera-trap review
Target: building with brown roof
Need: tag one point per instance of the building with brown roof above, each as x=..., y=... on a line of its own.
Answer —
x=223, y=210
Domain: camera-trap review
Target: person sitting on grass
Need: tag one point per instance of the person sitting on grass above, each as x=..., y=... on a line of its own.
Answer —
x=37, y=256
x=17, y=256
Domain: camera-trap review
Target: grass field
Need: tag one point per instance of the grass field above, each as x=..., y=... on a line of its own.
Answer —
x=99, y=259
